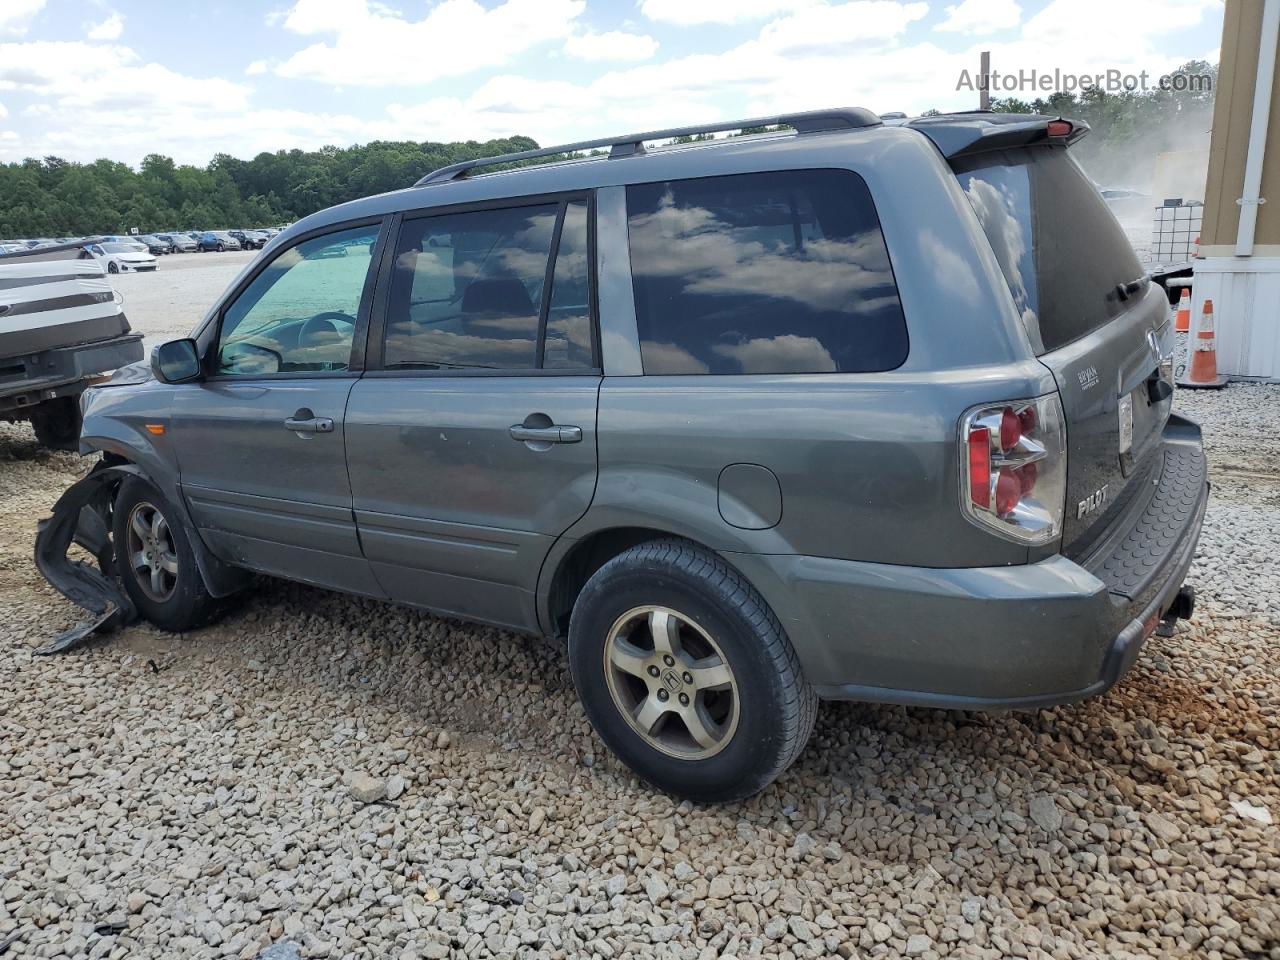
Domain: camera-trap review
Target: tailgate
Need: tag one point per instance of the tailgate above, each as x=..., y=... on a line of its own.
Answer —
x=1114, y=419
x=1090, y=314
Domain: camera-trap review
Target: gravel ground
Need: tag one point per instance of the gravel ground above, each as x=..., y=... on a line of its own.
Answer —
x=323, y=776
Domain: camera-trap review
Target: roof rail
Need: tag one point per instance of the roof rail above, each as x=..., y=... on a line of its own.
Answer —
x=813, y=121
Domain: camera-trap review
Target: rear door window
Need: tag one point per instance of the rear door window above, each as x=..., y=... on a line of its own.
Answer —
x=779, y=272
x=1061, y=250
x=499, y=289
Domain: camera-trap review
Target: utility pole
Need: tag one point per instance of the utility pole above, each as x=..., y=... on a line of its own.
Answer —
x=984, y=84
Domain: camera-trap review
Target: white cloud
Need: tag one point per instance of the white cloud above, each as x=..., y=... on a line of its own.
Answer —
x=1065, y=35
x=372, y=45
x=1111, y=25
x=71, y=74
x=16, y=15
x=614, y=45
x=856, y=25
x=101, y=99
x=108, y=29
x=686, y=12
x=83, y=100
x=980, y=17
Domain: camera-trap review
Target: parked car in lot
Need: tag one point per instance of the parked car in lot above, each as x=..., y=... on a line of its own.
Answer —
x=155, y=245
x=179, y=242
x=871, y=410
x=218, y=240
x=250, y=239
x=123, y=256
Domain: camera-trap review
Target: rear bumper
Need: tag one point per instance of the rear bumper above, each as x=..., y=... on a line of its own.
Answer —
x=62, y=371
x=1024, y=636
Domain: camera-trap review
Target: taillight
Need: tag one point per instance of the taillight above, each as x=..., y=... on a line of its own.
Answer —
x=1015, y=470
x=980, y=466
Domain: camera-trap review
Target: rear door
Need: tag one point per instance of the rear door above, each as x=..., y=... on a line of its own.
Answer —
x=1094, y=319
x=471, y=440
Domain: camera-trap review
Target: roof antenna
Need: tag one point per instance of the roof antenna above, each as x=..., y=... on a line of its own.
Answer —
x=984, y=80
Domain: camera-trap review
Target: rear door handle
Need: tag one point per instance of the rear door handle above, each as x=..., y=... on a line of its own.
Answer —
x=551, y=434
x=309, y=424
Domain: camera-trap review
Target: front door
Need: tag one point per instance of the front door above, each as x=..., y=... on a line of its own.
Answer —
x=471, y=439
x=261, y=440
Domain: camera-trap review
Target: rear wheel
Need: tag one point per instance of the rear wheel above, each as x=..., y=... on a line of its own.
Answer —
x=57, y=423
x=155, y=559
x=686, y=674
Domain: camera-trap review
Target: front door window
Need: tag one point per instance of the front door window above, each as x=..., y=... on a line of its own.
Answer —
x=299, y=314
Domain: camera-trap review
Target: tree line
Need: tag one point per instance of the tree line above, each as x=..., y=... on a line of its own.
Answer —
x=57, y=197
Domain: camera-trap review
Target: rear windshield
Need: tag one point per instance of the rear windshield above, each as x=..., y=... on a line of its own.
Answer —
x=1060, y=248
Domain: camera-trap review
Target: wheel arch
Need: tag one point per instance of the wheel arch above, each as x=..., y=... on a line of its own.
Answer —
x=220, y=578
x=572, y=562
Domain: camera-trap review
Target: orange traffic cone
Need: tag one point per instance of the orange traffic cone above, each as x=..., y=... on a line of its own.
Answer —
x=1182, y=319
x=1204, y=359
x=1182, y=337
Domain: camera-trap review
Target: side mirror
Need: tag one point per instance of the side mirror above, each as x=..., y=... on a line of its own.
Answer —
x=177, y=361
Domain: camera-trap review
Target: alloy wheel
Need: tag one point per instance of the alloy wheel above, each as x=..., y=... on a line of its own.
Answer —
x=671, y=682
x=153, y=558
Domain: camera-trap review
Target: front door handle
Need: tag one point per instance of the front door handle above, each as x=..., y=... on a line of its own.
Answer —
x=551, y=434
x=309, y=424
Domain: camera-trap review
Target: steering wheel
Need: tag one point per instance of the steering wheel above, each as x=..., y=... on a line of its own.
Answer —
x=314, y=328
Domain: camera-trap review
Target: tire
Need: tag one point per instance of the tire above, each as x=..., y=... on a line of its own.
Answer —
x=221, y=248
x=176, y=601
x=112, y=267
x=57, y=423
x=753, y=722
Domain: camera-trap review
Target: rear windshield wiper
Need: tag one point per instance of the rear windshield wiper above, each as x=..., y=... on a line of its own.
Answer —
x=1129, y=287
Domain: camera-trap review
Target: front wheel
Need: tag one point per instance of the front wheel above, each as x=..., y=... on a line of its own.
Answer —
x=686, y=673
x=221, y=248
x=155, y=559
x=112, y=267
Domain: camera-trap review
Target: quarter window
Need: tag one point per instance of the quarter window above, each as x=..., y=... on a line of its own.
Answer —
x=470, y=290
x=782, y=272
x=299, y=313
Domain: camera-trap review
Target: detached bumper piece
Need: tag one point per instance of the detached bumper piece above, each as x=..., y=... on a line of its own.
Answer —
x=81, y=516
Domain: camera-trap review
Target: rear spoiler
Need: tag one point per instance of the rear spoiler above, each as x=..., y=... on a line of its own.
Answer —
x=963, y=134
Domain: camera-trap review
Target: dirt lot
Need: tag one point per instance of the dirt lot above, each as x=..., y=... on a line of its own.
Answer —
x=203, y=795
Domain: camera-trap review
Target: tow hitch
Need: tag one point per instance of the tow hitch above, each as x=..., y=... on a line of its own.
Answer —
x=1183, y=606
x=82, y=516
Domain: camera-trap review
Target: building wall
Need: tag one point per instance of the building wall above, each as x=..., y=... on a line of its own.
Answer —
x=1232, y=115
x=1245, y=290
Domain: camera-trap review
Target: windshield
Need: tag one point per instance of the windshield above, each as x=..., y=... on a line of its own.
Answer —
x=123, y=247
x=1059, y=246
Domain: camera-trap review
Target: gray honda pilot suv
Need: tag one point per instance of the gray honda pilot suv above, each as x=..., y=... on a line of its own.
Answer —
x=849, y=409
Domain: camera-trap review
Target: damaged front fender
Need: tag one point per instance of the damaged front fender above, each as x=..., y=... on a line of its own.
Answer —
x=82, y=516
